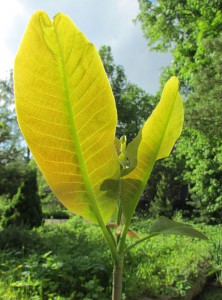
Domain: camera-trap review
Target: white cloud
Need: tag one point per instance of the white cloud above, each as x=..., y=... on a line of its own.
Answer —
x=103, y=22
x=130, y=11
x=9, y=11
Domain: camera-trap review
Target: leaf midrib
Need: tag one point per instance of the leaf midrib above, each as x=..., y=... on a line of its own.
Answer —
x=77, y=147
x=147, y=174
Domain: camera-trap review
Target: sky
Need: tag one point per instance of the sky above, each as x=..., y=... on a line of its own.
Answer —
x=107, y=22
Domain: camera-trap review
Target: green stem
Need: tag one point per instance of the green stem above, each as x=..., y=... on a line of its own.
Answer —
x=139, y=241
x=110, y=241
x=111, y=235
x=122, y=239
x=117, y=279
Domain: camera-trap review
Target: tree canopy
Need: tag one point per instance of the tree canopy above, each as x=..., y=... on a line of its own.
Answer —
x=204, y=104
x=180, y=27
x=134, y=105
x=191, y=31
x=12, y=148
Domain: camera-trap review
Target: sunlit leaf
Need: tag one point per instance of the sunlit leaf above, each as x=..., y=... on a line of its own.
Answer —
x=154, y=141
x=66, y=111
x=164, y=225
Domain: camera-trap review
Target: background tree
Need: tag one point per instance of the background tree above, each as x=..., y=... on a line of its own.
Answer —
x=202, y=174
x=180, y=27
x=134, y=105
x=191, y=180
x=161, y=205
x=12, y=160
x=25, y=207
x=191, y=30
x=204, y=104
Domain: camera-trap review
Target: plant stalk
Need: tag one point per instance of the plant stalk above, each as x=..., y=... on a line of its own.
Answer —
x=117, y=279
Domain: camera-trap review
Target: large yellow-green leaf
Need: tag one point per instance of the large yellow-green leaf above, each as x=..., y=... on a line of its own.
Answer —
x=66, y=111
x=154, y=141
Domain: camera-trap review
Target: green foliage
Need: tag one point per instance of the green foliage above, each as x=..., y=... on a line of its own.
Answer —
x=166, y=192
x=202, y=174
x=190, y=181
x=71, y=261
x=167, y=267
x=181, y=27
x=203, y=107
x=19, y=239
x=25, y=207
x=4, y=202
x=190, y=178
x=133, y=104
x=166, y=226
x=217, y=259
x=62, y=262
x=161, y=205
x=216, y=254
x=12, y=149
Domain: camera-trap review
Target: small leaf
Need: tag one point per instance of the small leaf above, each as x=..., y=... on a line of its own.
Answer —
x=164, y=225
x=154, y=141
x=123, y=157
x=120, y=146
x=46, y=254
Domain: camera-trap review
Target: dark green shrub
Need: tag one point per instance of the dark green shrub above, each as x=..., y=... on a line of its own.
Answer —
x=19, y=239
x=25, y=208
x=161, y=204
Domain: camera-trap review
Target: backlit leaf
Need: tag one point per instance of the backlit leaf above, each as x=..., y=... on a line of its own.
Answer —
x=154, y=141
x=66, y=111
